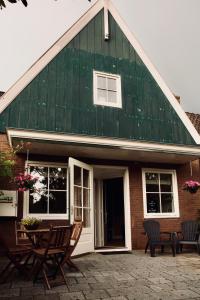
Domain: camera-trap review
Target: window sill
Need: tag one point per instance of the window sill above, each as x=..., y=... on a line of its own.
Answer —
x=118, y=105
x=49, y=217
x=159, y=216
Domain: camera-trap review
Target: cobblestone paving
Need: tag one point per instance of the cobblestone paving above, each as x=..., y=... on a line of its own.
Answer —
x=118, y=276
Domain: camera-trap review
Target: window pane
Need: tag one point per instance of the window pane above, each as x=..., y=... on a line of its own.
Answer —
x=42, y=174
x=86, y=217
x=77, y=196
x=57, y=180
x=112, y=97
x=77, y=175
x=57, y=202
x=101, y=82
x=86, y=199
x=85, y=178
x=77, y=213
x=38, y=203
x=166, y=182
x=112, y=84
x=153, y=203
x=167, y=203
x=101, y=95
x=152, y=183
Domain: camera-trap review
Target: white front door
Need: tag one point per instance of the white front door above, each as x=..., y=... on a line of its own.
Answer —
x=81, y=203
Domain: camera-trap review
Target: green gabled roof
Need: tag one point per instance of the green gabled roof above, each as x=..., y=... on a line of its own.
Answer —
x=60, y=97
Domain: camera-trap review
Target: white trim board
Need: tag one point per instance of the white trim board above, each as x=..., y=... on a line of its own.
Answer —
x=105, y=142
x=11, y=94
x=123, y=249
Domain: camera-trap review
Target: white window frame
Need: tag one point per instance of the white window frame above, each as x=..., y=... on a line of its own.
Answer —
x=174, y=214
x=26, y=194
x=118, y=84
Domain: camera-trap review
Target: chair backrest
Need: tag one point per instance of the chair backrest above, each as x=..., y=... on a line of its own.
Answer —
x=152, y=229
x=21, y=238
x=189, y=230
x=76, y=233
x=57, y=237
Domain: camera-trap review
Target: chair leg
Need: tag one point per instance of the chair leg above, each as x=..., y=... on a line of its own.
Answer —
x=27, y=259
x=46, y=278
x=173, y=250
x=181, y=248
x=61, y=270
x=198, y=248
x=177, y=245
x=146, y=247
x=36, y=270
x=162, y=248
x=152, y=251
x=3, y=276
x=71, y=264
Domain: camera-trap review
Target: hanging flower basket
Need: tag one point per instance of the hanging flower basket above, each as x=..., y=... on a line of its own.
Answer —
x=191, y=186
x=25, y=182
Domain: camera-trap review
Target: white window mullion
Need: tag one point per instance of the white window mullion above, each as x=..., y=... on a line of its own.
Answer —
x=159, y=193
x=82, y=191
x=67, y=192
x=107, y=100
x=48, y=174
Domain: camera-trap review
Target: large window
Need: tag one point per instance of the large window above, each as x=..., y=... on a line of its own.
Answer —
x=48, y=199
x=160, y=193
x=107, y=89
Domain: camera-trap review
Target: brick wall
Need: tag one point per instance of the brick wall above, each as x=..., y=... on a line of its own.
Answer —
x=189, y=204
x=7, y=225
x=7, y=183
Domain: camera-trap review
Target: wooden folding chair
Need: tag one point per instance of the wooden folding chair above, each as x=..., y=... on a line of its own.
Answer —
x=21, y=237
x=49, y=257
x=18, y=259
x=74, y=238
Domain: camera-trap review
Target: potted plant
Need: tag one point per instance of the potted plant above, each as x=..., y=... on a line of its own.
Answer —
x=191, y=186
x=31, y=223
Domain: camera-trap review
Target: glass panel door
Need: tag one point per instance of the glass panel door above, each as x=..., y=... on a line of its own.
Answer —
x=81, y=202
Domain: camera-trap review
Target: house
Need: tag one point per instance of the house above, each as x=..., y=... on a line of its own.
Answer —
x=195, y=119
x=109, y=141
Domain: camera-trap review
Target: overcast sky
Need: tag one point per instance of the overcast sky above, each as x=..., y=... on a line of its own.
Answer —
x=168, y=30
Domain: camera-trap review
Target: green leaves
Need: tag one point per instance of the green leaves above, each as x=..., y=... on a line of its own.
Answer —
x=7, y=161
x=24, y=2
x=2, y=2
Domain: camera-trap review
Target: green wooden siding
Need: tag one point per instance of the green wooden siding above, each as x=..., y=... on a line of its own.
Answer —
x=60, y=98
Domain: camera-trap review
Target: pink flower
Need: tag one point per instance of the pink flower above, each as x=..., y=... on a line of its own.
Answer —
x=191, y=185
x=21, y=189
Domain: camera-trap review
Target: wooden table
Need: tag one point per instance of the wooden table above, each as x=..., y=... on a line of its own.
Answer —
x=37, y=235
x=38, y=240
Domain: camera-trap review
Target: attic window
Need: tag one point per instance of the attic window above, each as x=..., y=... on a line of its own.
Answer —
x=107, y=89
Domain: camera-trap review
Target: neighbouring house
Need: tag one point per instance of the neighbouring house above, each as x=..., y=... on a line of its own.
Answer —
x=109, y=141
x=195, y=119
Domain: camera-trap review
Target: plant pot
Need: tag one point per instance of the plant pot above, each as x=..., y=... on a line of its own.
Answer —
x=193, y=190
x=31, y=226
